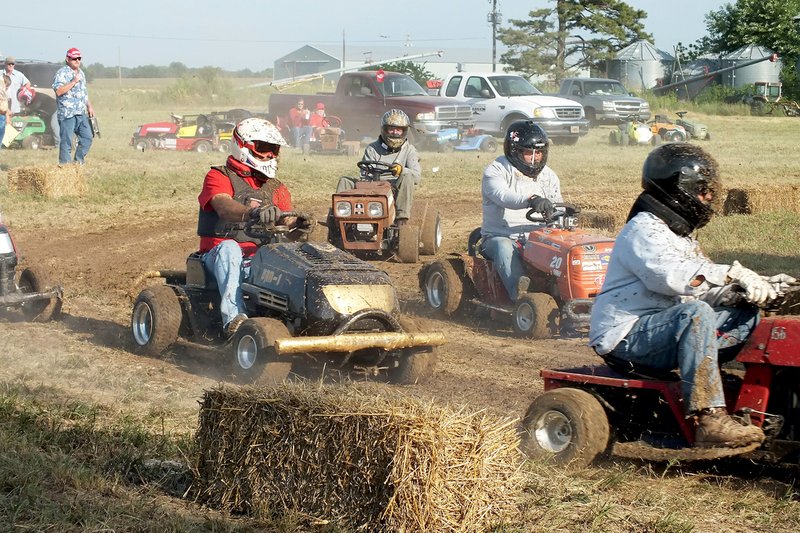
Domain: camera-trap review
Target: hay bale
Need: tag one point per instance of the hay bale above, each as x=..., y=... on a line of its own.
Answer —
x=366, y=461
x=762, y=199
x=600, y=220
x=52, y=181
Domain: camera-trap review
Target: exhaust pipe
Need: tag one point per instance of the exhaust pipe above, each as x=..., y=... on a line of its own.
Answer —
x=357, y=341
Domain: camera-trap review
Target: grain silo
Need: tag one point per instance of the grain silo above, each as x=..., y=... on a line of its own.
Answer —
x=639, y=65
x=762, y=71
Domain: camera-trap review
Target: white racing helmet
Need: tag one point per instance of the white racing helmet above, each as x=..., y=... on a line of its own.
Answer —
x=256, y=143
x=394, y=118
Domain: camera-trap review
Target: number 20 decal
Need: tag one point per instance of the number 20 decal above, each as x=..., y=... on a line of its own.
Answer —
x=555, y=263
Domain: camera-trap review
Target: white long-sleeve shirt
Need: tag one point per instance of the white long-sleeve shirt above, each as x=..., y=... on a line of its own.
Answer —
x=505, y=192
x=651, y=269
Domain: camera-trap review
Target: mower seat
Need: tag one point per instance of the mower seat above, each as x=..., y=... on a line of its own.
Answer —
x=196, y=274
x=473, y=242
x=627, y=368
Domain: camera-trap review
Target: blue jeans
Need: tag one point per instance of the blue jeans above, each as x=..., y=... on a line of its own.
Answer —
x=229, y=268
x=695, y=338
x=302, y=135
x=68, y=128
x=2, y=129
x=507, y=261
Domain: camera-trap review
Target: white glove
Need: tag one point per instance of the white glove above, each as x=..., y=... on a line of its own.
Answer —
x=757, y=290
x=780, y=282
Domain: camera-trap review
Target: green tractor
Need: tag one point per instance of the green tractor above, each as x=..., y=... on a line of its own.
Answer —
x=33, y=133
x=694, y=129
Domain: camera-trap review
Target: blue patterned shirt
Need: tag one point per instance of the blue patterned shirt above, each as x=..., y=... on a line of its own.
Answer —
x=74, y=101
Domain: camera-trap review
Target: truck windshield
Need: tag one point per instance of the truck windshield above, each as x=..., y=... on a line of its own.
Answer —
x=513, y=86
x=400, y=85
x=605, y=87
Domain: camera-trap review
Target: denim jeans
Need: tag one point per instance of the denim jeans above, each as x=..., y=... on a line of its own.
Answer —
x=2, y=129
x=70, y=127
x=302, y=135
x=507, y=262
x=695, y=338
x=229, y=268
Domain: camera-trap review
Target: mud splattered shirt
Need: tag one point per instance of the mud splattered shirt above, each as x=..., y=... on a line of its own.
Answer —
x=506, y=190
x=74, y=101
x=651, y=269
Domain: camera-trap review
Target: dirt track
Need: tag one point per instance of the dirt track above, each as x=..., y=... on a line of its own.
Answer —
x=481, y=366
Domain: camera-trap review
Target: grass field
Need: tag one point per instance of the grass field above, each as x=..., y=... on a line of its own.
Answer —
x=71, y=446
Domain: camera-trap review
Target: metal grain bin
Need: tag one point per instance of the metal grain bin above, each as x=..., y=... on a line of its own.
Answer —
x=639, y=65
x=763, y=71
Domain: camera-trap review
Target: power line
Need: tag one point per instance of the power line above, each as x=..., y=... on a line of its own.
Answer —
x=220, y=40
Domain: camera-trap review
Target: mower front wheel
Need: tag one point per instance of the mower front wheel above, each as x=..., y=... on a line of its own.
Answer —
x=34, y=279
x=156, y=320
x=431, y=234
x=32, y=142
x=567, y=426
x=414, y=365
x=408, y=244
x=202, y=147
x=442, y=287
x=536, y=315
x=254, y=359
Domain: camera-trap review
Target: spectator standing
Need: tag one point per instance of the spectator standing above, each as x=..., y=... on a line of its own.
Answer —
x=5, y=113
x=18, y=81
x=74, y=108
x=298, y=121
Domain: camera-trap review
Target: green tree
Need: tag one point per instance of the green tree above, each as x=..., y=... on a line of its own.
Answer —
x=573, y=33
x=415, y=70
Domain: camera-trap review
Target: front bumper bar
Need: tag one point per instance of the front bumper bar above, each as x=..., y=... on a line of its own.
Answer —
x=350, y=342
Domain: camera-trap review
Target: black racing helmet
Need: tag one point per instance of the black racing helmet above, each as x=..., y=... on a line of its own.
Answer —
x=675, y=174
x=525, y=135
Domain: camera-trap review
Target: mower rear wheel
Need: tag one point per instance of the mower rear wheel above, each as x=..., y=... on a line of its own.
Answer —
x=612, y=138
x=489, y=144
x=567, y=426
x=414, y=365
x=34, y=279
x=408, y=244
x=32, y=142
x=156, y=320
x=254, y=359
x=536, y=315
x=431, y=233
x=224, y=146
x=442, y=287
x=657, y=139
x=202, y=147
x=142, y=145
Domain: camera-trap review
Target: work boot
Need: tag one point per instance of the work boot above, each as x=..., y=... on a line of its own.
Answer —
x=402, y=222
x=522, y=285
x=231, y=327
x=716, y=429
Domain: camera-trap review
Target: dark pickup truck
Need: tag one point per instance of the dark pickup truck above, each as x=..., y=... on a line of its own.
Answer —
x=604, y=101
x=360, y=101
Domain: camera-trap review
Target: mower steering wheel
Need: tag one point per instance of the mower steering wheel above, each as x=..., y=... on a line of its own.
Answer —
x=333, y=121
x=265, y=232
x=375, y=168
x=560, y=209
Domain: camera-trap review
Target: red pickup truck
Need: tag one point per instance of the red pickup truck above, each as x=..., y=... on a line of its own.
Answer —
x=360, y=101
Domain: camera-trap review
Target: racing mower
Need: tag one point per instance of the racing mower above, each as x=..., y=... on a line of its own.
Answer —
x=631, y=411
x=308, y=303
x=34, y=293
x=362, y=220
x=631, y=131
x=566, y=267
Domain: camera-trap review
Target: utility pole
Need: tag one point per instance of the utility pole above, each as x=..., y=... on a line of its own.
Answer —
x=494, y=18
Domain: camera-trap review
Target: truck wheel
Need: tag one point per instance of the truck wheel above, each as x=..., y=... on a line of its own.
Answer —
x=442, y=288
x=591, y=116
x=202, y=147
x=567, y=426
x=408, y=244
x=536, y=315
x=507, y=122
x=414, y=366
x=431, y=233
x=34, y=279
x=156, y=320
x=254, y=359
x=489, y=144
x=32, y=142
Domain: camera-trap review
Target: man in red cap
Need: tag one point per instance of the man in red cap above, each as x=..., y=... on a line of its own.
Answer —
x=74, y=109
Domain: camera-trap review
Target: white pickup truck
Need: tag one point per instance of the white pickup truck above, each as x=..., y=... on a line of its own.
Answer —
x=498, y=99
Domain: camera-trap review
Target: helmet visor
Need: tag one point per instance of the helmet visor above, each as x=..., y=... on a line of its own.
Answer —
x=263, y=150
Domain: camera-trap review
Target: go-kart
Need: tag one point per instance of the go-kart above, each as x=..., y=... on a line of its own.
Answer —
x=566, y=267
x=34, y=293
x=362, y=220
x=308, y=304
x=633, y=411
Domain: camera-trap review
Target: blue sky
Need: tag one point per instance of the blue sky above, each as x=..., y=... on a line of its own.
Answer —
x=252, y=34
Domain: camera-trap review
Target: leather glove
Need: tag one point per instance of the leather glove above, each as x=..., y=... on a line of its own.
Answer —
x=268, y=216
x=756, y=289
x=541, y=205
x=780, y=282
x=305, y=221
x=397, y=169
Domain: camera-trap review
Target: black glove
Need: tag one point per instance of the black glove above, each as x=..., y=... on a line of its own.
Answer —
x=268, y=216
x=543, y=206
x=306, y=221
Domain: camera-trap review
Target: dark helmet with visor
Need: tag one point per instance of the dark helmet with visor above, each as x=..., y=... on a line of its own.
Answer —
x=677, y=175
x=522, y=136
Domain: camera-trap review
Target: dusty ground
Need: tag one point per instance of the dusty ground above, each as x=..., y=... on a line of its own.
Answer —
x=482, y=366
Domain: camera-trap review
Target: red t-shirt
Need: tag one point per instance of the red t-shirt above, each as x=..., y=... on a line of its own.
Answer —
x=216, y=183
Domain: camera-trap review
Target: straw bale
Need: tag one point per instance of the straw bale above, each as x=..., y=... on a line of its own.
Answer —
x=762, y=199
x=52, y=181
x=600, y=220
x=367, y=461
